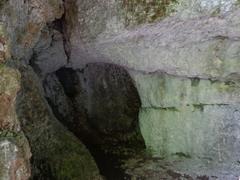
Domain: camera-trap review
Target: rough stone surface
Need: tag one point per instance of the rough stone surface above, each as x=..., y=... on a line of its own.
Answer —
x=185, y=67
x=180, y=168
x=205, y=46
x=210, y=131
x=101, y=96
x=189, y=117
x=167, y=91
x=57, y=154
x=14, y=148
x=57, y=99
x=22, y=22
x=112, y=100
x=190, y=9
x=49, y=54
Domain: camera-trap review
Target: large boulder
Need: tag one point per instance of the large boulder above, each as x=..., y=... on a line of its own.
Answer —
x=100, y=100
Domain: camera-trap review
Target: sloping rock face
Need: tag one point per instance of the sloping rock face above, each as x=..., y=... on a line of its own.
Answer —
x=57, y=154
x=185, y=66
x=33, y=144
x=14, y=148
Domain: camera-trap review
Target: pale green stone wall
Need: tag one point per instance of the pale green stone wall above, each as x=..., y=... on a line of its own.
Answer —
x=190, y=131
x=189, y=117
x=195, y=8
x=170, y=91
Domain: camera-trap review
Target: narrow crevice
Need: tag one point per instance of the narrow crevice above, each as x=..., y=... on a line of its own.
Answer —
x=60, y=25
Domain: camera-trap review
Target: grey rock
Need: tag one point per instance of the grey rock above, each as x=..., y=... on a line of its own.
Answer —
x=49, y=53
x=54, y=148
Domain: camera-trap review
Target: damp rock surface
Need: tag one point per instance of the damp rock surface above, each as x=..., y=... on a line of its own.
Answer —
x=112, y=100
x=14, y=148
x=100, y=105
x=104, y=94
x=56, y=152
x=160, y=74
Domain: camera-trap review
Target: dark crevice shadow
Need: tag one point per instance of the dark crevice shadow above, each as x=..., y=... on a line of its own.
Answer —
x=104, y=106
x=56, y=153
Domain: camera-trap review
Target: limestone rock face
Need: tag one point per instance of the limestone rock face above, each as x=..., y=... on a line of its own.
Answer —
x=14, y=148
x=197, y=117
x=22, y=22
x=182, y=55
x=49, y=54
x=185, y=66
x=56, y=152
x=205, y=46
x=27, y=125
x=111, y=100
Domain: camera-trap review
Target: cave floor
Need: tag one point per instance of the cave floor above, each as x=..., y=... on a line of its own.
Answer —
x=180, y=168
x=140, y=166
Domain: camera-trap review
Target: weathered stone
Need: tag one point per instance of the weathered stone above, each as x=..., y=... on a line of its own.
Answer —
x=164, y=91
x=206, y=131
x=180, y=168
x=57, y=99
x=112, y=100
x=49, y=54
x=57, y=154
x=14, y=162
x=185, y=67
x=23, y=22
x=14, y=148
x=201, y=47
x=102, y=96
x=190, y=9
x=9, y=81
x=192, y=116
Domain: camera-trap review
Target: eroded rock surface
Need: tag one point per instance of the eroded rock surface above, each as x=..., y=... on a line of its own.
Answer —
x=14, y=148
x=100, y=105
x=27, y=125
x=56, y=152
x=185, y=66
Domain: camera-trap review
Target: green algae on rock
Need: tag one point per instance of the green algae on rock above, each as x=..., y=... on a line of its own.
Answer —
x=56, y=152
x=145, y=11
x=200, y=126
x=197, y=8
x=14, y=148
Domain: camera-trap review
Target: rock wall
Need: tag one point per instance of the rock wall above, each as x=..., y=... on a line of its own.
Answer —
x=182, y=55
x=15, y=152
x=99, y=103
x=33, y=144
x=196, y=117
x=57, y=153
x=185, y=66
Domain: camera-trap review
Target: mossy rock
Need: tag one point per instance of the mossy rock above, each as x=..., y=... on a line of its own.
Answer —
x=2, y=2
x=56, y=153
x=141, y=11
